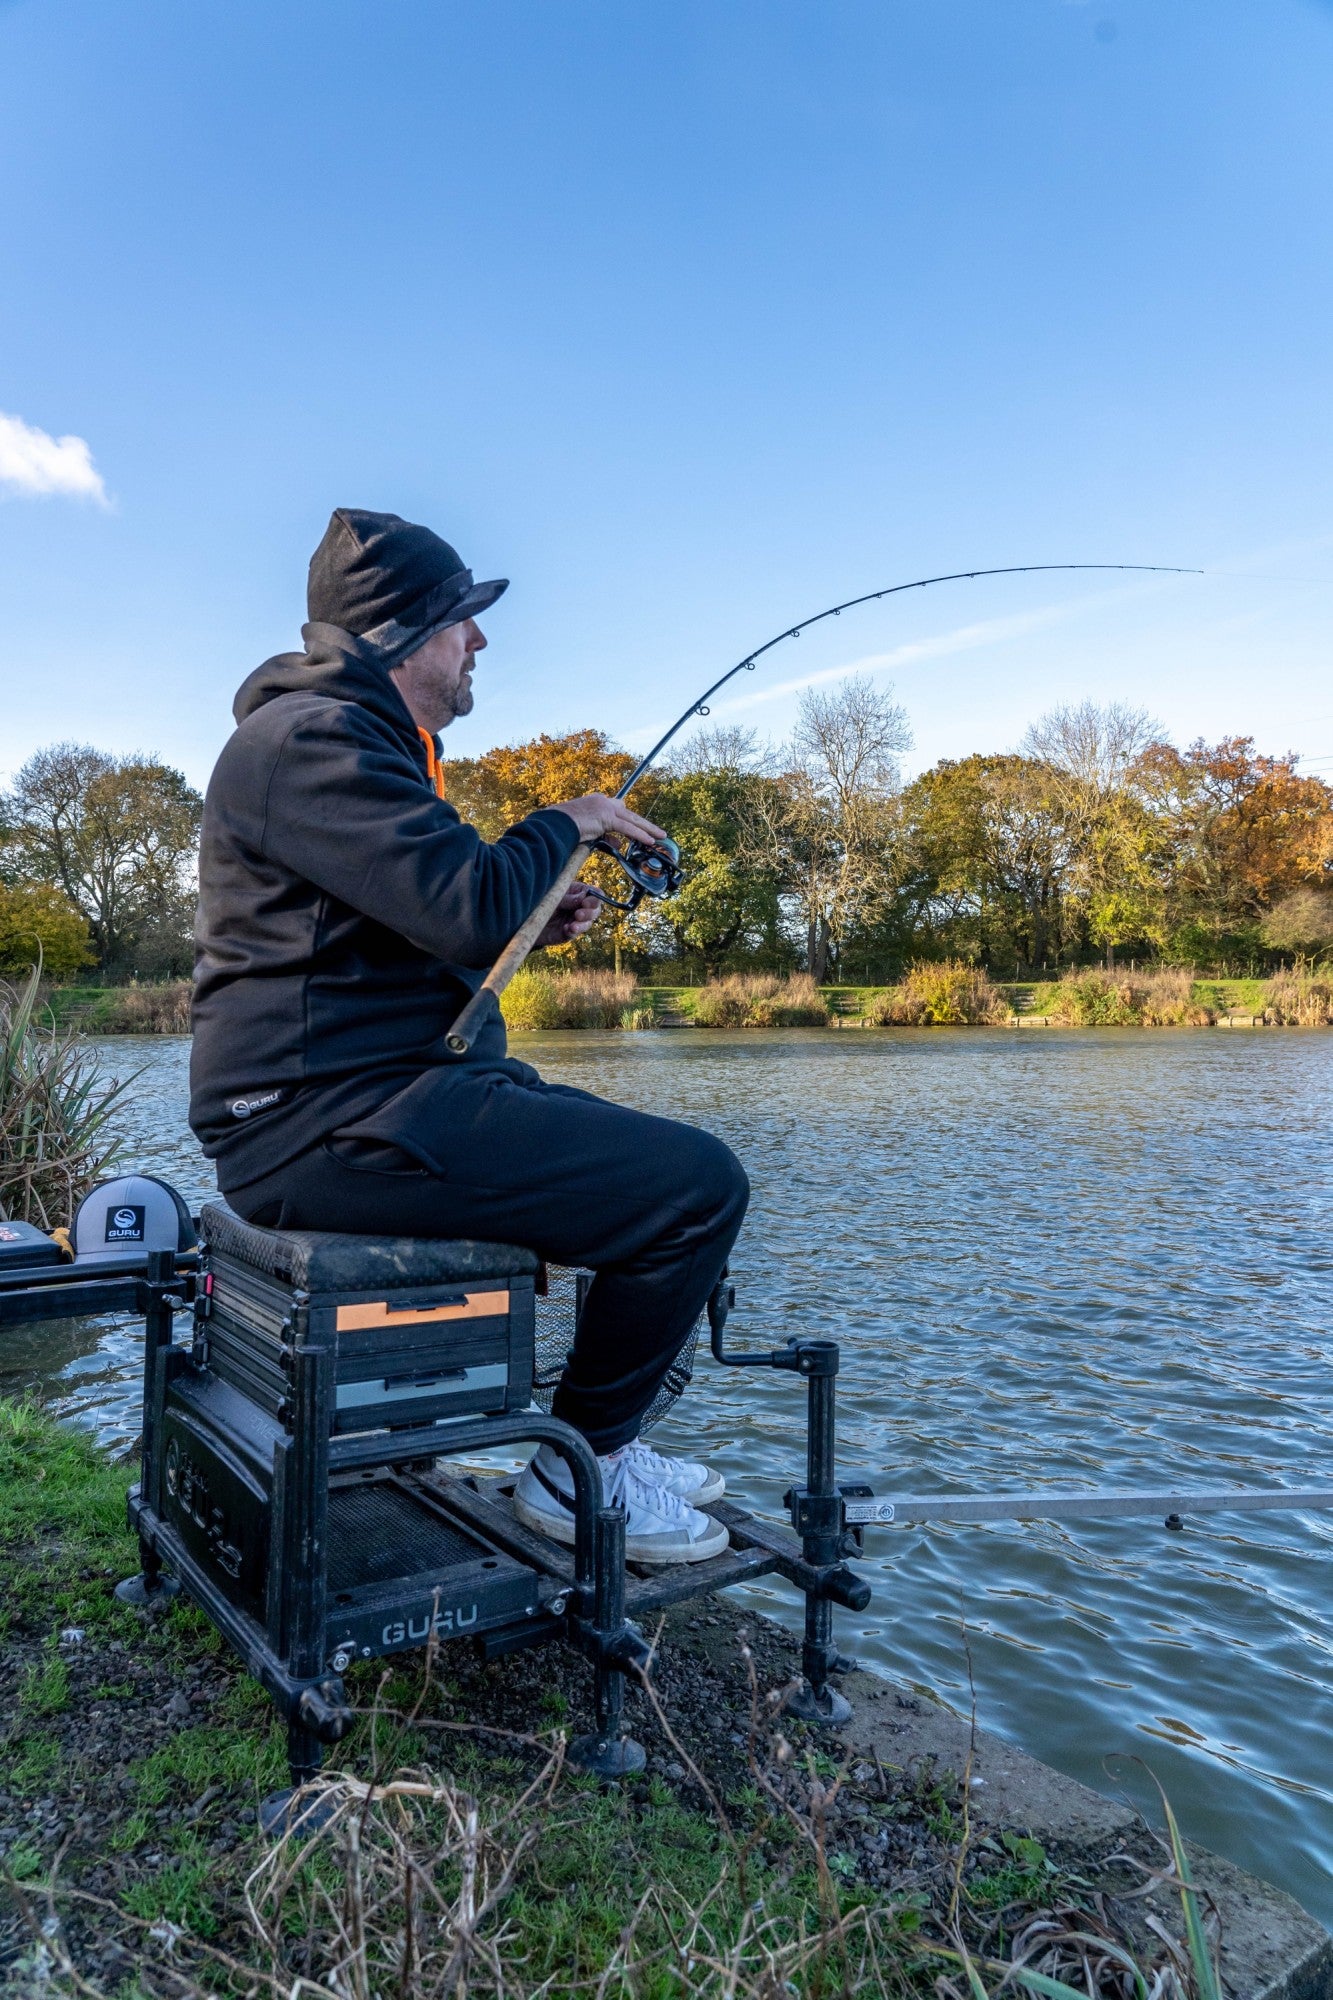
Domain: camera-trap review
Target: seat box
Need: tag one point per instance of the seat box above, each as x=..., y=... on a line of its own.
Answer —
x=397, y=1567
x=418, y=1331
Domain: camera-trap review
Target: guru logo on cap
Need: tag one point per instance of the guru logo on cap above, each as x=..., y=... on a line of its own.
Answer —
x=125, y=1224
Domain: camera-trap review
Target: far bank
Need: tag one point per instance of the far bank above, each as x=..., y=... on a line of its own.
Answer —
x=943, y=994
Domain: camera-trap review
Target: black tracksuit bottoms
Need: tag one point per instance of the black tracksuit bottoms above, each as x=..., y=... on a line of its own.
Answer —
x=494, y=1153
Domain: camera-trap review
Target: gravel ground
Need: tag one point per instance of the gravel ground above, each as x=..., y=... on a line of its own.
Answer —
x=156, y=1698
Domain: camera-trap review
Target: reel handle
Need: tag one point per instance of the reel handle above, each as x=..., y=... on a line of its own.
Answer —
x=463, y=1032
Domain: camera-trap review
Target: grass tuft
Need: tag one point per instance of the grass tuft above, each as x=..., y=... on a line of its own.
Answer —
x=538, y=999
x=147, y=1010
x=1300, y=999
x=945, y=994
x=1091, y=997
x=760, y=1001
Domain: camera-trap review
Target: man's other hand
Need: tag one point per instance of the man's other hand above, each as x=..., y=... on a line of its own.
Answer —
x=579, y=910
x=596, y=815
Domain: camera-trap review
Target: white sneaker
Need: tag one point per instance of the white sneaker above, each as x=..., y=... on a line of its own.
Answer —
x=698, y=1485
x=659, y=1527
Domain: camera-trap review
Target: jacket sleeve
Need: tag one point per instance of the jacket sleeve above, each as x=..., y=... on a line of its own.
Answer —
x=348, y=808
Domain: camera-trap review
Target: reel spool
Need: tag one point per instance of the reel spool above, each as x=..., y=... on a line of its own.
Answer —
x=651, y=867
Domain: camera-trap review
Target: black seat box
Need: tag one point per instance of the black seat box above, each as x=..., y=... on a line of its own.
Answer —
x=419, y=1331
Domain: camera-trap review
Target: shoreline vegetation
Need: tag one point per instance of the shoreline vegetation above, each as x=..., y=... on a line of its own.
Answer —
x=1095, y=840
x=944, y=993
x=754, y=1858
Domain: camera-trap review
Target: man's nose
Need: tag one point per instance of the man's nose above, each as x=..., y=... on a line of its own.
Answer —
x=476, y=638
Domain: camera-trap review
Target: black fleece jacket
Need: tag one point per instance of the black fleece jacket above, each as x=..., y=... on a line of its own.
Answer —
x=345, y=912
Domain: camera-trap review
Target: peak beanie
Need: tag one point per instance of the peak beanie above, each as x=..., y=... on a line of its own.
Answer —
x=391, y=583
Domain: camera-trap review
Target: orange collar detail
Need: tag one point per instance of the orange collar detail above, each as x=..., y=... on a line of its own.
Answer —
x=434, y=770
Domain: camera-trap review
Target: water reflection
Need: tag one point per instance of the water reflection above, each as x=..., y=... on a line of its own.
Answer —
x=1052, y=1259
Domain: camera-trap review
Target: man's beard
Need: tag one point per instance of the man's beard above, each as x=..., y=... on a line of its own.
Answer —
x=460, y=699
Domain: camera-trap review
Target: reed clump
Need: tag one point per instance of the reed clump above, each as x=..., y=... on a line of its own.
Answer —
x=1300, y=999
x=55, y=1110
x=747, y=1000
x=536, y=998
x=146, y=1010
x=949, y=993
x=1091, y=997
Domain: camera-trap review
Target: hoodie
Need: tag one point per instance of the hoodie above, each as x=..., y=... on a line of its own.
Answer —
x=346, y=913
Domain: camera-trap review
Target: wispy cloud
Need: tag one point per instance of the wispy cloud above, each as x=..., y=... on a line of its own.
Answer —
x=962, y=639
x=36, y=465
x=959, y=639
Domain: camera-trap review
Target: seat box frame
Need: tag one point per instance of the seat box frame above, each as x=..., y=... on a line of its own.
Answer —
x=309, y=1545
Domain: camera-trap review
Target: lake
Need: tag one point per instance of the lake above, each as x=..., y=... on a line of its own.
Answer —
x=1052, y=1259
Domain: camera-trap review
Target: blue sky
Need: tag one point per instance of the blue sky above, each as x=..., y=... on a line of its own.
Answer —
x=690, y=318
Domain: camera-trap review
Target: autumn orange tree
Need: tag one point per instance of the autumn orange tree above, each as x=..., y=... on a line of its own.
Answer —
x=1240, y=833
x=1096, y=836
x=503, y=785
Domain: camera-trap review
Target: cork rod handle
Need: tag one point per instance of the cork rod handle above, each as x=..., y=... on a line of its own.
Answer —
x=463, y=1032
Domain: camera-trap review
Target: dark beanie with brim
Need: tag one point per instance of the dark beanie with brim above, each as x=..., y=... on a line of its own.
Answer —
x=391, y=583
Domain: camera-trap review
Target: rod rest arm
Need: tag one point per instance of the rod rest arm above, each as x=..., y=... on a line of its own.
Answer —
x=798, y=1357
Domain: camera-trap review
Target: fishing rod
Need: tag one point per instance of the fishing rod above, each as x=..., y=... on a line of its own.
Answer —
x=653, y=867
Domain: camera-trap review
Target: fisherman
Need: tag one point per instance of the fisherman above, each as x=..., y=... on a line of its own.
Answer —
x=346, y=915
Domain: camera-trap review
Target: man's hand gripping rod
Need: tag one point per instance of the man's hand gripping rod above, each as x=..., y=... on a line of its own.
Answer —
x=464, y=1030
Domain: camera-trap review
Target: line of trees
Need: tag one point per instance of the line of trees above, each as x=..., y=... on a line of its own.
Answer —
x=1096, y=838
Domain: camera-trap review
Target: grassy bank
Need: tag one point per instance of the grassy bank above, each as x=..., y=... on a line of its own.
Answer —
x=1172, y=997
x=751, y=1860
x=944, y=994
x=123, y=1010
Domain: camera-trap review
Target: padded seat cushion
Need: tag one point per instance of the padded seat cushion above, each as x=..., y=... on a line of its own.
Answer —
x=321, y=1261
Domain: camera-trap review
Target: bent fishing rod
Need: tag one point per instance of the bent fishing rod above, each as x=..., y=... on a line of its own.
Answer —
x=654, y=869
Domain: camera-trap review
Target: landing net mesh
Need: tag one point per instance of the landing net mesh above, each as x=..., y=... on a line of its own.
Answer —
x=557, y=1316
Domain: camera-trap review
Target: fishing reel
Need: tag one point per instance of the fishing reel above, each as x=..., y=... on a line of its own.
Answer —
x=651, y=867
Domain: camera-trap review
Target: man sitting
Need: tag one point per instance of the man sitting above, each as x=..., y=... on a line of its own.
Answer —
x=346, y=915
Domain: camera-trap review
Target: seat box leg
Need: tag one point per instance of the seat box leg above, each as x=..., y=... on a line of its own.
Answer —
x=285, y=1814
x=150, y=1586
x=607, y=1751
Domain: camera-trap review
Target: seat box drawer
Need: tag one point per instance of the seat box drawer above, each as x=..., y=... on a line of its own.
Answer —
x=400, y=1356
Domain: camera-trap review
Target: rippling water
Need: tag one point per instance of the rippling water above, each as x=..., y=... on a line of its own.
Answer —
x=1084, y=1258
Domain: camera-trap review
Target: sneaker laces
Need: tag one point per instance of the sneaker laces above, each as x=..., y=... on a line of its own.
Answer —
x=625, y=1487
x=652, y=1462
